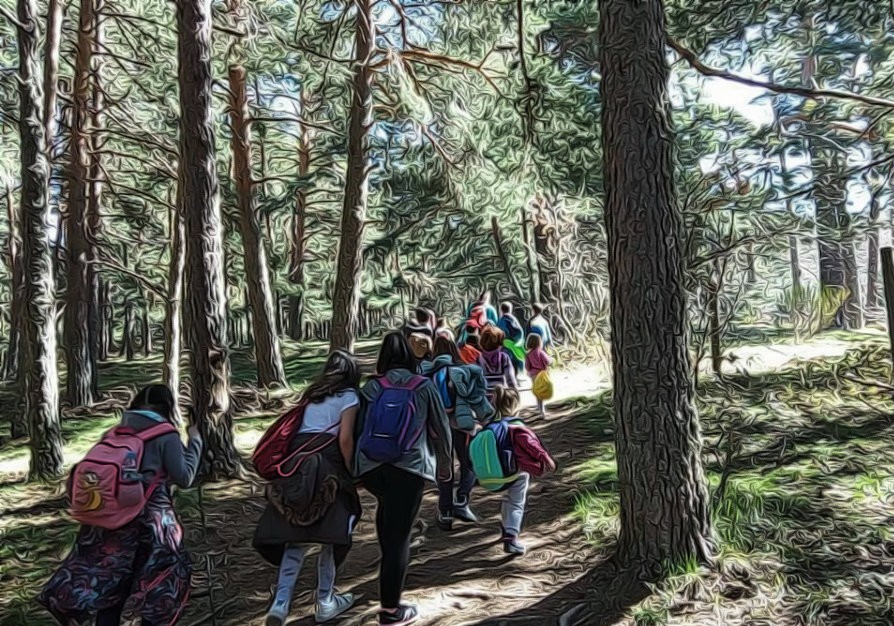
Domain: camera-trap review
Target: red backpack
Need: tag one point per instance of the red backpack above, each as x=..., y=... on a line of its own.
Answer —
x=106, y=488
x=271, y=457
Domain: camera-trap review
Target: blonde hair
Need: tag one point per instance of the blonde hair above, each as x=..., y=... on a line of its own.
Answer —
x=506, y=400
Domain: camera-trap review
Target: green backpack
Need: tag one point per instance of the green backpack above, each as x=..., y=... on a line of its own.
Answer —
x=493, y=459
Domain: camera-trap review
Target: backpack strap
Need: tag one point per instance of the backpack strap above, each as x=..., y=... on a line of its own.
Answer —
x=154, y=432
x=304, y=450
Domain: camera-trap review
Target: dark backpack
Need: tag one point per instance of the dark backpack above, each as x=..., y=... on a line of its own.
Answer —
x=388, y=431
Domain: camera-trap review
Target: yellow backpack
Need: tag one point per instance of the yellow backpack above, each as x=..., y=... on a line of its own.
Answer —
x=543, y=386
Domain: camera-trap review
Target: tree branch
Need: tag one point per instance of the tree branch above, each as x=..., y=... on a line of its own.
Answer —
x=804, y=92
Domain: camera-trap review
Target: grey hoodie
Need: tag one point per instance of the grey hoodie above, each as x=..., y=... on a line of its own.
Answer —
x=471, y=391
x=433, y=451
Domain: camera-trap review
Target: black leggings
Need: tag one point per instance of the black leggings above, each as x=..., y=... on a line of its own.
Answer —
x=112, y=617
x=399, y=494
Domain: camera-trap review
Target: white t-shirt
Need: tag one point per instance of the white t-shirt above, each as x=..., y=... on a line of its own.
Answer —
x=324, y=415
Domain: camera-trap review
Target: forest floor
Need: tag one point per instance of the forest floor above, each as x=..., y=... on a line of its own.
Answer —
x=797, y=455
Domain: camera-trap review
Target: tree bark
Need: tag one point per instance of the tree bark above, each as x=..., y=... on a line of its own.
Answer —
x=95, y=186
x=205, y=286
x=79, y=294
x=837, y=259
x=349, y=271
x=714, y=317
x=55, y=11
x=795, y=263
x=872, y=293
x=38, y=332
x=299, y=234
x=664, y=499
x=14, y=368
x=504, y=258
x=174, y=306
x=127, y=333
x=257, y=273
x=533, y=282
x=146, y=329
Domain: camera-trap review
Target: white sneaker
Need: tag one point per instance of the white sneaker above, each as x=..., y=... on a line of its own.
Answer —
x=277, y=614
x=328, y=610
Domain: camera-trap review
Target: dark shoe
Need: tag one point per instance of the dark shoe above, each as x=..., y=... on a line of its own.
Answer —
x=464, y=512
x=512, y=546
x=445, y=520
x=405, y=614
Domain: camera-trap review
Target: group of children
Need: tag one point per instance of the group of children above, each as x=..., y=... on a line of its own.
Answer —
x=392, y=435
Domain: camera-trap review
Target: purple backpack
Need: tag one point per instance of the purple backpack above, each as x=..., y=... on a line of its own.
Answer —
x=388, y=431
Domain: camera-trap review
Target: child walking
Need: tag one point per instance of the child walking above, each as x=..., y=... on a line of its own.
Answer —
x=531, y=458
x=537, y=361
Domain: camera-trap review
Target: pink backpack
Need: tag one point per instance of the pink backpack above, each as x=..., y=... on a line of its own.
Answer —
x=106, y=489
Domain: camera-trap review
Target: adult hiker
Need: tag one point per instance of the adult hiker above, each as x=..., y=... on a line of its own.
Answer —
x=539, y=325
x=423, y=322
x=404, y=442
x=494, y=360
x=515, y=336
x=314, y=500
x=463, y=392
x=130, y=543
x=481, y=314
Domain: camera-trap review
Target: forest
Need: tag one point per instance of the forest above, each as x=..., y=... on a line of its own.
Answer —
x=215, y=194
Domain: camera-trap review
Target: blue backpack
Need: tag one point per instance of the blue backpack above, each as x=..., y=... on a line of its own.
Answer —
x=446, y=389
x=388, y=430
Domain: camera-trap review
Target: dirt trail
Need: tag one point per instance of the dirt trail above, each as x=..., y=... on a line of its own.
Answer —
x=456, y=578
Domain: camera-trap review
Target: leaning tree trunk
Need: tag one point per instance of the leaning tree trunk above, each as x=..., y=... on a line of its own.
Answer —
x=80, y=357
x=174, y=306
x=257, y=274
x=664, y=499
x=38, y=332
x=714, y=327
x=205, y=286
x=299, y=235
x=837, y=259
x=346, y=294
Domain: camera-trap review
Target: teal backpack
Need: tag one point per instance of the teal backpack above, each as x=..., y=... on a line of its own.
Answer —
x=493, y=459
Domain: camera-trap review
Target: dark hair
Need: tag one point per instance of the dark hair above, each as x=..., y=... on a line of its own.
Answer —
x=472, y=338
x=445, y=345
x=534, y=341
x=340, y=372
x=156, y=398
x=492, y=338
x=506, y=308
x=395, y=354
x=537, y=308
x=506, y=400
x=423, y=315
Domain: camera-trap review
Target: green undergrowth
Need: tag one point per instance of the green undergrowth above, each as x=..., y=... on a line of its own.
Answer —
x=801, y=478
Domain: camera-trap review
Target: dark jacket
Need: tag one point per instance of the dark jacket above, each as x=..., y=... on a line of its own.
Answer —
x=165, y=454
x=433, y=450
x=318, y=504
x=471, y=391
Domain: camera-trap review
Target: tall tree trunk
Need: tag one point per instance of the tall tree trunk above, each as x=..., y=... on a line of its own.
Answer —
x=504, y=258
x=257, y=273
x=14, y=368
x=146, y=329
x=795, y=263
x=349, y=271
x=55, y=11
x=127, y=333
x=80, y=358
x=533, y=280
x=38, y=332
x=664, y=499
x=875, y=209
x=107, y=318
x=174, y=305
x=95, y=186
x=205, y=286
x=837, y=259
x=299, y=234
x=714, y=317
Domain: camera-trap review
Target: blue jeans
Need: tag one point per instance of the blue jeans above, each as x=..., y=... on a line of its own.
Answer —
x=292, y=560
x=513, y=509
